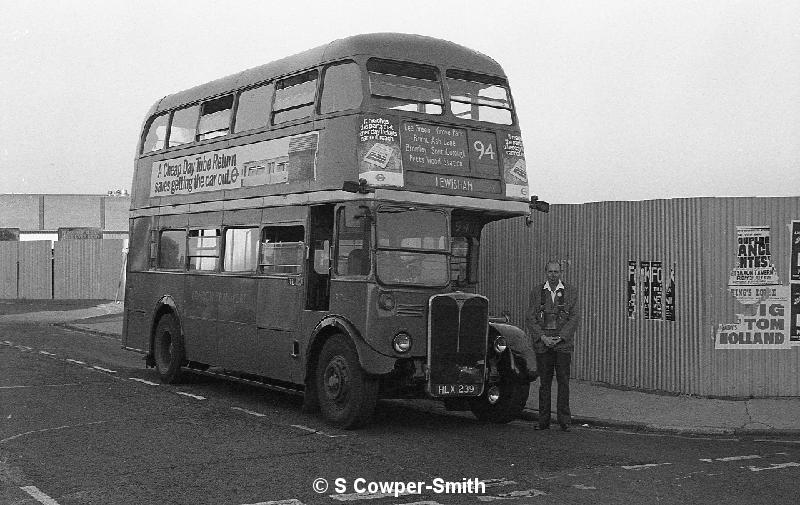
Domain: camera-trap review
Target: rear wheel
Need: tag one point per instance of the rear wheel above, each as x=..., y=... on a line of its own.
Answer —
x=508, y=406
x=347, y=395
x=168, y=350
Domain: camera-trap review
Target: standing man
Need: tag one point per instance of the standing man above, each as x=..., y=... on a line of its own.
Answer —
x=551, y=323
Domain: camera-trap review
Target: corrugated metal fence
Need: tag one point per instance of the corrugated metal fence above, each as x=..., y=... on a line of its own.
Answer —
x=694, y=237
x=72, y=269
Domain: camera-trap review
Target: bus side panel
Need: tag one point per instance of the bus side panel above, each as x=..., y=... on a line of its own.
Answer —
x=136, y=324
x=236, y=326
x=338, y=145
x=200, y=313
x=279, y=302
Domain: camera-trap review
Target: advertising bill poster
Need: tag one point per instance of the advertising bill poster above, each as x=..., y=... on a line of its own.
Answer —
x=656, y=290
x=379, y=159
x=795, y=315
x=754, y=265
x=276, y=161
x=669, y=299
x=514, y=169
x=632, y=299
x=765, y=326
x=644, y=279
x=795, y=259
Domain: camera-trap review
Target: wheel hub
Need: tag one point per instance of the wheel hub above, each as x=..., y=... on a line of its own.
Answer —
x=337, y=378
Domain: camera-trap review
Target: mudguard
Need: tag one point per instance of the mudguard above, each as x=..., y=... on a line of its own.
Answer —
x=373, y=362
x=513, y=360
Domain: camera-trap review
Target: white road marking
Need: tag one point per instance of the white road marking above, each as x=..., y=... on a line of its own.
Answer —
x=103, y=369
x=426, y=502
x=498, y=482
x=38, y=495
x=774, y=466
x=49, y=429
x=75, y=361
x=190, y=395
x=290, y=501
x=583, y=486
x=732, y=458
x=315, y=431
x=514, y=495
x=643, y=467
x=41, y=386
x=363, y=496
x=143, y=381
x=46, y=353
x=23, y=347
x=257, y=414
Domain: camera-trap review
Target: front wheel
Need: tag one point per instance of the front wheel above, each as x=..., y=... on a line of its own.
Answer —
x=508, y=406
x=168, y=350
x=347, y=395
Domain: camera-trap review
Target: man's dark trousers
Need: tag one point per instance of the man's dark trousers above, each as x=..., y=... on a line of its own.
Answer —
x=547, y=362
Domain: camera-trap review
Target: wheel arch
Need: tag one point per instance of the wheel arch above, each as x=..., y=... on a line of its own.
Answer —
x=165, y=305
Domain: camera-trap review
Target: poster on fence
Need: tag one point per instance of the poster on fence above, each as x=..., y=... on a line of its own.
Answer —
x=644, y=280
x=669, y=299
x=632, y=299
x=754, y=265
x=795, y=314
x=656, y=289
x=765, y=326
x=795, y=259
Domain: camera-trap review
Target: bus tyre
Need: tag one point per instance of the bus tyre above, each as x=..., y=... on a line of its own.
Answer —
x=513, y=396
x=168, y=349
x=346, y=394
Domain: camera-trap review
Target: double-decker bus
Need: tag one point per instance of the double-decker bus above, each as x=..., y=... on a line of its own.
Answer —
x=315, y=223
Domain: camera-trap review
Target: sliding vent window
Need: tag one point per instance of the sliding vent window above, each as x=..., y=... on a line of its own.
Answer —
x=294, y=97
x=282, y=250
x=253, y=109
x=215, y=118
x=156, y=134
x=479, y=97
x=405, y=86
x=241, y=250
x=184, y=126
x=204, y=249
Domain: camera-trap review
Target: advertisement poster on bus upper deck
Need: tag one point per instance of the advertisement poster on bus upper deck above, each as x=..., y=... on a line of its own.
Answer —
x=379, y=159
x=514, y=169
x=271, y=162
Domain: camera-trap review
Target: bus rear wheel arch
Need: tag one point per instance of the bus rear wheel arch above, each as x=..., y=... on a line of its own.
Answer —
x=168, y=349
x=345, y=392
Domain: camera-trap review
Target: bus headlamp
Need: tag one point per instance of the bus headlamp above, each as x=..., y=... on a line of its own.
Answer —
x=500, y=344
x=386, y=301
x=402, y=342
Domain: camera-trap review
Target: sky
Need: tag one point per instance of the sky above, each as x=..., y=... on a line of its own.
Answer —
x=617, y=99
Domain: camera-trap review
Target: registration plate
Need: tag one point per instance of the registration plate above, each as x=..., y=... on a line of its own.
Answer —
x=456, y=389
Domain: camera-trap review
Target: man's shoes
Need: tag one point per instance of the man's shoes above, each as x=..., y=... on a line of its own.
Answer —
x=564, y=427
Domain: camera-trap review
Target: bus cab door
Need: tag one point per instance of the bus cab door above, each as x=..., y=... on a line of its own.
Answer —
x=280, y=300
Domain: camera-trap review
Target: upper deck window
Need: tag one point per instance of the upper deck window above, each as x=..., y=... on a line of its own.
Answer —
x=215, y=118
x=341, y=88
x=405, y=86
x=156, y=137
x=184, y=126
x=294, y=97
x=253, y=109
x=479, y=97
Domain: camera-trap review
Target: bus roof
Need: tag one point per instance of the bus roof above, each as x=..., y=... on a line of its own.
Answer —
x=419, y=48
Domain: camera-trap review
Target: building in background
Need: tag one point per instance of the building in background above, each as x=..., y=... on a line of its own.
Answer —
x=40, y=217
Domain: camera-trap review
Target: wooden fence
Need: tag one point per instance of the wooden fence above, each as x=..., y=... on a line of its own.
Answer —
x=71, y=269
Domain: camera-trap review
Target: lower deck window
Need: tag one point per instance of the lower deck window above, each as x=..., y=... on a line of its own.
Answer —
x=203, y=249
x=282, y=250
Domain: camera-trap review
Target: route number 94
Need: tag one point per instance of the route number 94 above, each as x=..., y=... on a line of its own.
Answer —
x=483, y=149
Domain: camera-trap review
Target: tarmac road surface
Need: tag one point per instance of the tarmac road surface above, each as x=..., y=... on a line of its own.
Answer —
x=83, y=422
